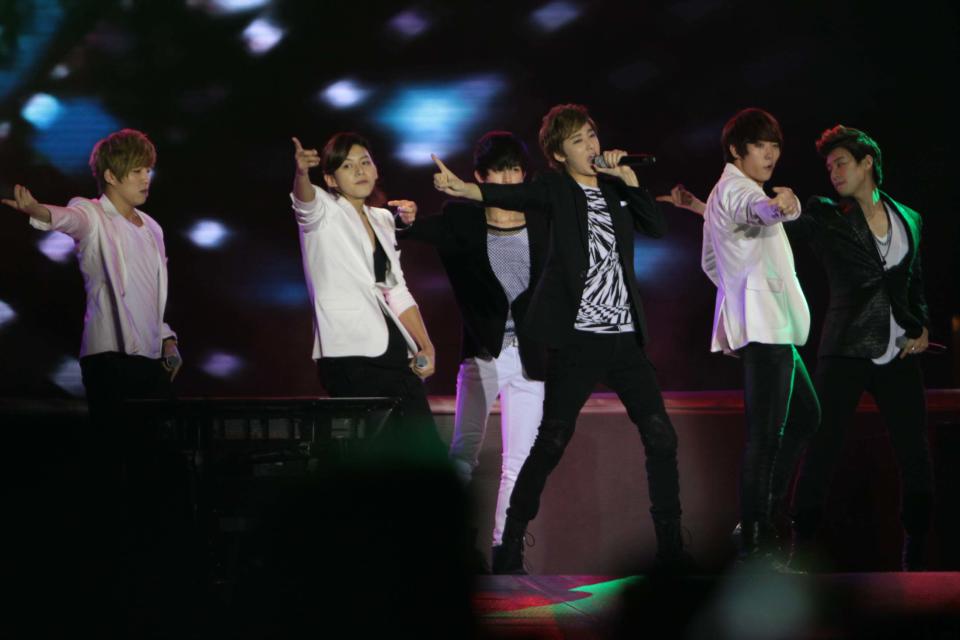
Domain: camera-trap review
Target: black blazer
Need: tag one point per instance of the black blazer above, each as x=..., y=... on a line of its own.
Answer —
x=862, y=293
x=556, y=298
x=460, y=236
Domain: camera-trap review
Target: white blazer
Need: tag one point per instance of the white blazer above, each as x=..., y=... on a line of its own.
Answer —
x=748, y=257
x=108, y=322
x=348, y=304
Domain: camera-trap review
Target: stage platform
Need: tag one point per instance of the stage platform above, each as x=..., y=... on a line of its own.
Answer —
x=594, y=517
x=737, y=605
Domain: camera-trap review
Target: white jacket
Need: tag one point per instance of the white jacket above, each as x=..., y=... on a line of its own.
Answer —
x=108, y=322
x=748, y=257
x=348, y=305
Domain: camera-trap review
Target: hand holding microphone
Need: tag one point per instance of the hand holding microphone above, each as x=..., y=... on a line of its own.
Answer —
x=617, y=163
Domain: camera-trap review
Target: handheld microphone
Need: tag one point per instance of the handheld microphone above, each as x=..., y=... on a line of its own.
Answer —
x=632, y=159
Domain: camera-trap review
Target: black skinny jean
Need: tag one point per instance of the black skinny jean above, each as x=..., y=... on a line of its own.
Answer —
x=781, y=408
x=573, y=371
x=898, y=390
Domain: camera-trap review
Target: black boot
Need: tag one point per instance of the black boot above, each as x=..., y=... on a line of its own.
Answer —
x=803, y=553
x=917, y=512
x=508, y=555
x=914, y=556
x=670, y=552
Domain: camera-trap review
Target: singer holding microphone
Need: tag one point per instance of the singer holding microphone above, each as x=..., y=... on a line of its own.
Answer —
x=587, y=310
x=369, y=336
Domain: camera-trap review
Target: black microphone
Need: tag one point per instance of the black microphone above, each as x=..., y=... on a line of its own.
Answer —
x=632, y=159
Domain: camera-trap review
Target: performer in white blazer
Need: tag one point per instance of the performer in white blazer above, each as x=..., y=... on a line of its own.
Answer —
x=369, y=337
x=127, y=350
x=760, y=314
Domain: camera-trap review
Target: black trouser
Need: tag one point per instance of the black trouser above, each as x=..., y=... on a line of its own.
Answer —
x=111, y=378
x=781, y=407
x=412, y=427
x=898, y=390
x=573, y=371
x=139, y=529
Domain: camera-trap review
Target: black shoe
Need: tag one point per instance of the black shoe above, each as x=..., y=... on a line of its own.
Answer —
x=507, y=557
x=671, y=555
x=914, y=556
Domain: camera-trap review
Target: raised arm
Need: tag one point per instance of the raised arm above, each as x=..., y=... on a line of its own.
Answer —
x=305, y=159
x=448, y=182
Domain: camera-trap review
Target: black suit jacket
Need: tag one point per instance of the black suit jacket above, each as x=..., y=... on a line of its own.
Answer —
x=556, y=298
x=460, y=236
x=862, y=293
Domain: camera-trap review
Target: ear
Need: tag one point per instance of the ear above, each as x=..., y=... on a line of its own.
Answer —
x=330, y=181
x=110, y=178
x=559, y=157
x=733, y=151
x=478, y=177
x=868, y=161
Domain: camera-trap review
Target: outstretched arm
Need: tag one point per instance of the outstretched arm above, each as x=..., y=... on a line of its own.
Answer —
x=750, y=206
x=24, y=201
x=682, y=198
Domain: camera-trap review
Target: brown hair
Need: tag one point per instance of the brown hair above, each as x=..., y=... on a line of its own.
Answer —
x=858, y=143
x=561, y=122
x=750, y=125
x=121, y=152
x=336, y=151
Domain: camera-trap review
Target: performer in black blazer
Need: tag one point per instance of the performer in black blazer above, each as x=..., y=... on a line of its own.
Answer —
x=875, y=327
x=493, y=258
x=587, y=309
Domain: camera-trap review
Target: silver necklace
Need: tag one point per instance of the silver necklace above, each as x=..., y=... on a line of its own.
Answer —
x=883, y=246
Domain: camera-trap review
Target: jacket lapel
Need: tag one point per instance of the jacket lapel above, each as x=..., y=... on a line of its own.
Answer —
x=908, y=223
x=580, y=206
x=858, y=223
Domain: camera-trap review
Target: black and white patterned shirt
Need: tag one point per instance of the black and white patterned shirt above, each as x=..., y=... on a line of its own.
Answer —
x=605, y=305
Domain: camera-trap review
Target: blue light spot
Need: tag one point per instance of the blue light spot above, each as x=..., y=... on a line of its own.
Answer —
x=40, y=26
x=654, y=258
x=42, y=110
x=435, y=119
x=66, y=141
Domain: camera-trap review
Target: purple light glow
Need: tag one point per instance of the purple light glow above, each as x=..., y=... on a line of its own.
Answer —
x=221, y=365
x=67, y=376
x=56, y=246
x=410, y=23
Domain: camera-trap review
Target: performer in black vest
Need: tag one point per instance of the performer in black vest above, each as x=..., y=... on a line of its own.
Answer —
x=493, y=258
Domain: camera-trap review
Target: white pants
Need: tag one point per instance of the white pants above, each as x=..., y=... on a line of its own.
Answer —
x=521, y=409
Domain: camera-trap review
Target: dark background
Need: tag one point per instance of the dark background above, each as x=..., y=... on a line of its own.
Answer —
x=658, y=78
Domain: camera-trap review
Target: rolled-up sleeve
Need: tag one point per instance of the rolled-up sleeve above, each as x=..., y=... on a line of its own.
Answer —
x=312, y=214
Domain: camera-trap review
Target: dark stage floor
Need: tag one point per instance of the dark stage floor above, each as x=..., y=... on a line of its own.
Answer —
x=845, y=605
